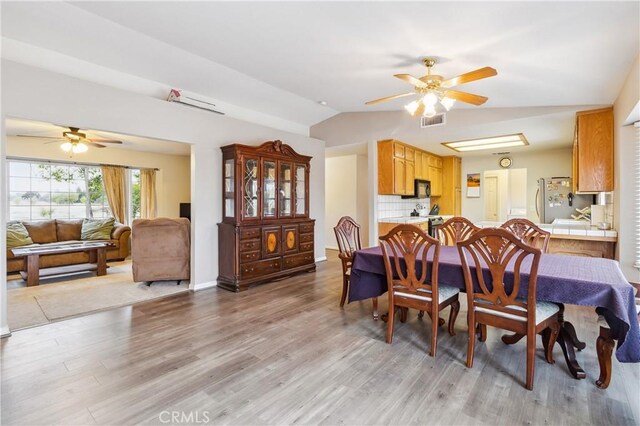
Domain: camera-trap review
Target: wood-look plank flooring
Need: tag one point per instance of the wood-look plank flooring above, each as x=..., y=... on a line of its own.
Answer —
x=284, y=353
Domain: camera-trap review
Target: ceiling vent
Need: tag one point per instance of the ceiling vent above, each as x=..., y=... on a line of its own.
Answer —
x=436, y=120
x=181, y=97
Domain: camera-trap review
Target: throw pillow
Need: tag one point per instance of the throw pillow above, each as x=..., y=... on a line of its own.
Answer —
x=17, y=235
x=97, y=229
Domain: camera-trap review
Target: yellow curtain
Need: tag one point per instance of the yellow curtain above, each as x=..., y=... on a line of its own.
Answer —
x=148, y=208
x=113, y=178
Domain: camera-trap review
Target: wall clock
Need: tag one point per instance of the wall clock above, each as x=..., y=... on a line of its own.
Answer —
x=505, y=162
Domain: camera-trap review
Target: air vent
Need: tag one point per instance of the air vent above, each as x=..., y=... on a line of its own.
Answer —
x=436, y=120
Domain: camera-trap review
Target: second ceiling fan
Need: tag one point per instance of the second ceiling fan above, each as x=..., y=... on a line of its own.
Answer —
x=435, y=88
x=75, y=141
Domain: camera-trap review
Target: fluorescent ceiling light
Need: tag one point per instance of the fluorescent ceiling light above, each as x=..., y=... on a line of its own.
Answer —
x=488, y=143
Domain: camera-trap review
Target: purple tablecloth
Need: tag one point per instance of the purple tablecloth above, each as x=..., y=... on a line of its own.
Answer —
x=563, y=279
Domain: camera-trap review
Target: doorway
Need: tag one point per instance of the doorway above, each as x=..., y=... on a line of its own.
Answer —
x=505, y=194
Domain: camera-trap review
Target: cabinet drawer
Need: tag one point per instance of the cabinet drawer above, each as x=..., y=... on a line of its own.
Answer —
x=249, y=257
x=306, y=246
x=296, y=260
x=252, y=245
x=249, y=233
x=257, y=269
x=306, y=227
x=305, y=238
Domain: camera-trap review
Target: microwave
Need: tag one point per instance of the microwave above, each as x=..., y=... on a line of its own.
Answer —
x=421, y=189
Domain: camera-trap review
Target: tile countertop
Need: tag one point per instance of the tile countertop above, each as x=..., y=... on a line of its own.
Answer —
x=411, y=219
x=573, y=229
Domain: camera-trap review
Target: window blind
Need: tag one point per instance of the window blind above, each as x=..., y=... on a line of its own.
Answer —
x=637, y=192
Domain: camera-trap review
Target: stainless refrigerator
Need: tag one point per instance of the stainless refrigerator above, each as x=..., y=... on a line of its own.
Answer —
x=555, y=199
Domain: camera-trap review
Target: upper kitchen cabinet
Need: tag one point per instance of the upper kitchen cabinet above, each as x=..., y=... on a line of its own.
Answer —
x=593, y=151
x=396, y=168
x=451, y=201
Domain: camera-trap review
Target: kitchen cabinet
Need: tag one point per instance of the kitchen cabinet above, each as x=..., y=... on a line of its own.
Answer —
x=396, y=168
x=266, y=232
x=450, y=201
x=593, y=151
x=418, y=165
x=435, y=176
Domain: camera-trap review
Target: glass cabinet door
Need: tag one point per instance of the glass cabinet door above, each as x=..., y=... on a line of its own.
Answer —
x=301, y=190
x=269, y=189
x=250, y=185
x=229, y=188
x=285, y=190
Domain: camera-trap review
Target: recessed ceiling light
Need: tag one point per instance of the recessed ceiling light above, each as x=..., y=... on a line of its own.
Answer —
x=323, y=103
x=495, y=142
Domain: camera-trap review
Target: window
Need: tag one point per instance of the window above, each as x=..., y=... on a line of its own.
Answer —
x=135, y=194
x=637, y=193
x=43, y=191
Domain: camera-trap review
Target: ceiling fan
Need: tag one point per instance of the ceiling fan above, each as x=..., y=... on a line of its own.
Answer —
x=75, y=141
x=434, y=89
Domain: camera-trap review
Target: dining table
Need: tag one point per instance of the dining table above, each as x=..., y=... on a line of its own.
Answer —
x=562, y=279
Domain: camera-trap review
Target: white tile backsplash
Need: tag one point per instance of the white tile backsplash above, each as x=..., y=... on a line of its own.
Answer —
x=395, y=206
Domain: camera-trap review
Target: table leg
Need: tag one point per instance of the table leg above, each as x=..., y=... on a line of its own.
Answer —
x=568, y=340
x=33, y=270
x=101, y=261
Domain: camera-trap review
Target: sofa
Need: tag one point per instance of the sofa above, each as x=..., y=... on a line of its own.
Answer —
x=58, y=231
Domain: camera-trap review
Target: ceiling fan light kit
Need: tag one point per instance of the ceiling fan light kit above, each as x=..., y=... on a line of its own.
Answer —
x=74, y=147
x=437, y=91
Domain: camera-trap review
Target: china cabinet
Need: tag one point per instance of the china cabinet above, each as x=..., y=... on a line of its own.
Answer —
x=266, y=232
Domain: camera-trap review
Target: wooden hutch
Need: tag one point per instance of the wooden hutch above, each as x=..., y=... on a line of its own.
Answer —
x=266, y=232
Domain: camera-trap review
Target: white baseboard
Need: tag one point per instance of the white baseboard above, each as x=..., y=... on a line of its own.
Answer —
x=202, y=286
x=321, y=259
x=331, y=248
x=5, y=332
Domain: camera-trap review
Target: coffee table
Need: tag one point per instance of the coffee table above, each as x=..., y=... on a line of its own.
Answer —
x=97, y=260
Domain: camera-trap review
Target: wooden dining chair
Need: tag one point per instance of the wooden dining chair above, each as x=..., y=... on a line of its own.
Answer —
x=528, y=232
x=605, y=344
x=348, y=236
x=493, y=300
x=455, y=229
x=413, y=281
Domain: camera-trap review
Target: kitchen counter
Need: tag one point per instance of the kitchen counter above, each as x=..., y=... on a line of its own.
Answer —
x=412, y=219
x=568, y=229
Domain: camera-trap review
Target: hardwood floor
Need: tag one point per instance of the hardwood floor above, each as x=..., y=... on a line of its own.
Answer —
x=285, y=353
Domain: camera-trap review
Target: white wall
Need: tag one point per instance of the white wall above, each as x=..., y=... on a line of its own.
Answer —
x=518, y=189
x=173, y=179
x=538, y=164
x=37, y=94
x=624, y=154
x=346, y=194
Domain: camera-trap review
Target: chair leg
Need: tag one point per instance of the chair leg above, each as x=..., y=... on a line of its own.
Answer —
x=604, y=348
x=403, y=314
x=390, y=318
x=483, y=332
x=374, y=302
x=434, y=330
x=345, y=288
x=455, y=308
x=549, y=337
x=531, y=359
x=471, y=342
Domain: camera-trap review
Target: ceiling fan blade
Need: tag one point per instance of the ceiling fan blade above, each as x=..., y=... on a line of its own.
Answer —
x=411, y=80
x=388, y=98
x=478, y=74
x=465, y=97
x=39, y=137
x=104, y=140
x=55, y=141
x=94, y=144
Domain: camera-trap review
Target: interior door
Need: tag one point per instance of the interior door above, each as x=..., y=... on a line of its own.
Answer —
x=491, y=198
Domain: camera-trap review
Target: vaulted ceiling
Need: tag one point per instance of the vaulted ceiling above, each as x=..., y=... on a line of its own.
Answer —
x=281, y=58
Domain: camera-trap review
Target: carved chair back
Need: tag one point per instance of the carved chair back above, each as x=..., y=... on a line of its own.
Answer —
x=405, y=248
x=454, y=230
x=348, y=236
x=528, y=232
x=497, y=288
